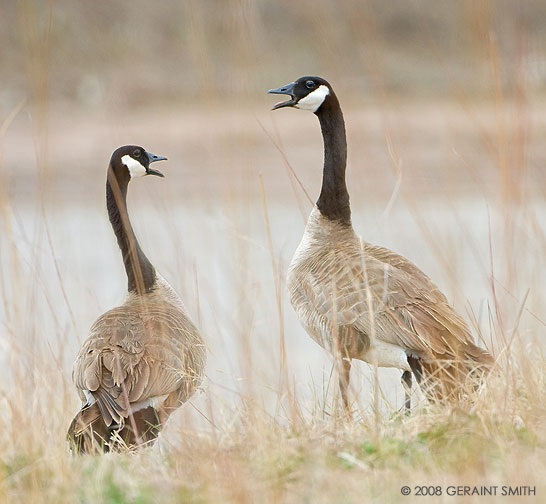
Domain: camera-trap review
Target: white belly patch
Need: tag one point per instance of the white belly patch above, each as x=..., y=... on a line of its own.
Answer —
x=154, y=402
x=89, y=396
x=387, y=355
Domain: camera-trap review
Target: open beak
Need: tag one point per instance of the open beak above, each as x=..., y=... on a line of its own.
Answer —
x=287, y=90
x=152, y=159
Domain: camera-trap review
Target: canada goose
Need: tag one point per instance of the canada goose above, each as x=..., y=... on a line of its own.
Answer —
x=145, y=358
x=361, y=301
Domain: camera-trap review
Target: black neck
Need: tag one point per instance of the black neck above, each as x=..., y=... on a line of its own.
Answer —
x=140, y=272
x=333, y=201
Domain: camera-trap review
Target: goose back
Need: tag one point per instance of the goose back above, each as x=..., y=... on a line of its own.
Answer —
x=143, y=350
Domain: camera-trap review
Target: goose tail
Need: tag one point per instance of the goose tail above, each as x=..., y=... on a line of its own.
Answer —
x=88, y=434
x=452, y=379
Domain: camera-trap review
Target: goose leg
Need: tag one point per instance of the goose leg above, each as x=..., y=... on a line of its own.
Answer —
x=416, y=367
x=406, y=383
x=344, y=377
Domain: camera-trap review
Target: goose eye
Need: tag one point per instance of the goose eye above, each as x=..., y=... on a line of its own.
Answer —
x=136, y=153
x=309, y=84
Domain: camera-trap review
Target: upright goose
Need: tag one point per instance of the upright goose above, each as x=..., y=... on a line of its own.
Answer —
x=361, y=301
x=145, y=358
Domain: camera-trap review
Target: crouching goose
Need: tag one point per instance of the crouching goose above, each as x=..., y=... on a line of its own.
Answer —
x=143, y=359
x=361, y=301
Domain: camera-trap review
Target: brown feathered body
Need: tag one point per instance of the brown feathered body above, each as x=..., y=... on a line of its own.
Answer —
x=366, y=302
x=141, y=361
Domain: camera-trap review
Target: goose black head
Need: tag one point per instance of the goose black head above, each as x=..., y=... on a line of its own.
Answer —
x=307, y=93
x=134, y=161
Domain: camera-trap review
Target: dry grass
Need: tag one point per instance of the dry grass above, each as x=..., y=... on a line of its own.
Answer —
x=455, y=183
x=264, y=460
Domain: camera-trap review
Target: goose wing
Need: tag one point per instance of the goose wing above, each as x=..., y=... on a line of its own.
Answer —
x=134, y=354
x=372, y=288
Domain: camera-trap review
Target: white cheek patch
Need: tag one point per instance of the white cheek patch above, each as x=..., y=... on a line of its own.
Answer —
x=314, y=100
x=134, y=167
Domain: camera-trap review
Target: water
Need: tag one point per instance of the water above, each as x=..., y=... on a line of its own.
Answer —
x=219, y=261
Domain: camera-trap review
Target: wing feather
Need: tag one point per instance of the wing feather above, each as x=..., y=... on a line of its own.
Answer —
x=149, y=349
x=341, y=283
